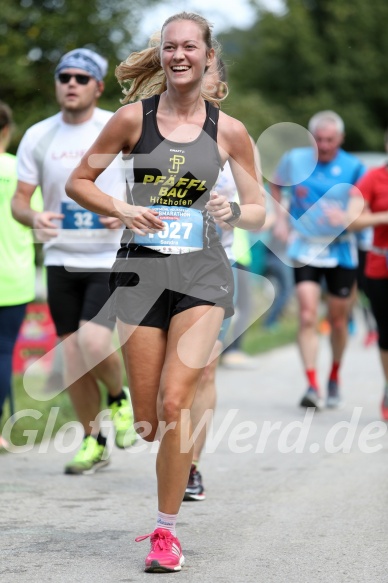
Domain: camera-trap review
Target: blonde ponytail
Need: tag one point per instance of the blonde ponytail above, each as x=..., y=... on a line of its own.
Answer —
x=143, y=71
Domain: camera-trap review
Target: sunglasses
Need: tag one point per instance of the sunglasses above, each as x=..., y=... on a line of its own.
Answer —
x=81, y=79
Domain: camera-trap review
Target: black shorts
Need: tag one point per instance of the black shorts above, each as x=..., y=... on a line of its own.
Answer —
x=339, y=280
x=361, y=277
x=378, y=293
x=77, y=295
x=149, y=288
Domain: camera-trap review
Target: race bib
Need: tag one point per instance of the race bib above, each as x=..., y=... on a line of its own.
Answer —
x=324, y=251
x=182, y=233
x=76, y=217
x=318, y=255
x=308, y=252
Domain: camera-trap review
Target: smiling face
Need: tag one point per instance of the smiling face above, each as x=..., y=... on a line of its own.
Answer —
x=184, y=54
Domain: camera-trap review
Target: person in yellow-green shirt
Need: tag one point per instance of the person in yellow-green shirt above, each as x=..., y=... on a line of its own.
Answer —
x=17, y=265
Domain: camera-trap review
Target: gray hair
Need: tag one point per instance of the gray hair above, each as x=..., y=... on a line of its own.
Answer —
x=323, y=118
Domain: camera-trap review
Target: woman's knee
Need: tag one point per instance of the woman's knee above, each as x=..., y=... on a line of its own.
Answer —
x=171, y=406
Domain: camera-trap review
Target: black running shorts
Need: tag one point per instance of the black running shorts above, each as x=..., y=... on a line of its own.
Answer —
x=378, y=292
x=149, y=288
x=339, y=280
x=77, y=295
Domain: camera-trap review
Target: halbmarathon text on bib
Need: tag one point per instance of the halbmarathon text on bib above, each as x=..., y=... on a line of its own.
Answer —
x=182, y=233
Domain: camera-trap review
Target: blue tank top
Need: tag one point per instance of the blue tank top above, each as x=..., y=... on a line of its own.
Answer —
x=314, y=240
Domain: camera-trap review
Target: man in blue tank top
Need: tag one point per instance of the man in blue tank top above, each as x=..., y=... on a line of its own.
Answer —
x=318, y=246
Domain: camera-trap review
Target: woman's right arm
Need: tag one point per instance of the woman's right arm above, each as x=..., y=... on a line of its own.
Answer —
x=120, y=134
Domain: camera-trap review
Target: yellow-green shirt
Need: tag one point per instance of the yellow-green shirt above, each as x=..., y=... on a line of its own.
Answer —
x=17, y=255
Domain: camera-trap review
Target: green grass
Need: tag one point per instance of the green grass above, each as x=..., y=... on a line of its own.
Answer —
x=256, y=340
x=34, y=415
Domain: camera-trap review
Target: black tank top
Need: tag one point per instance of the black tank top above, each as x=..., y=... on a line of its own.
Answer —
x=173, y=174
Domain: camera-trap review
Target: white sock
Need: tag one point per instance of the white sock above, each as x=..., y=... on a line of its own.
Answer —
x=167, y=521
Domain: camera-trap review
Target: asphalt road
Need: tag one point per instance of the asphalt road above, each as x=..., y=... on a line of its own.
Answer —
x=290, y=498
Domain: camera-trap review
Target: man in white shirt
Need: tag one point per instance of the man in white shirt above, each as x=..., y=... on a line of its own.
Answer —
x=79, y=250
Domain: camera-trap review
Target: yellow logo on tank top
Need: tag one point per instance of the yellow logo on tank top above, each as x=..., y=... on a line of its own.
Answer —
x=177, y=161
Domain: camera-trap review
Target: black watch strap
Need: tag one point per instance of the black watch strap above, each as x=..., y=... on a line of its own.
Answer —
x=236, y=213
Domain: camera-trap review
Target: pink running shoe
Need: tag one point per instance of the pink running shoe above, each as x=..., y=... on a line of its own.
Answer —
x=166, y=552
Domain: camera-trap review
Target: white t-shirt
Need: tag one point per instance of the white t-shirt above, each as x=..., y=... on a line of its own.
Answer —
x=226, y=186
x=47, y=154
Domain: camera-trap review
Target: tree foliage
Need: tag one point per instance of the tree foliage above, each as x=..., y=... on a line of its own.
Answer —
x=317, y=54
x=34, y=34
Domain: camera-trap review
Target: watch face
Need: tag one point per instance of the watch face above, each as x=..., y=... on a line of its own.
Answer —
x=236, y=211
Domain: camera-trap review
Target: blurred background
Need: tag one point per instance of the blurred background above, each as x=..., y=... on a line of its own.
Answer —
x=286, y=59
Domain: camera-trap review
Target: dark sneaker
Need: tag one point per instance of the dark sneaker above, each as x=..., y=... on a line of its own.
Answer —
x=384, y=407
x=333, y=400
x=90, y=458
x=166, y=552
x=195, y=489
x=122, y=417
x=311, y=398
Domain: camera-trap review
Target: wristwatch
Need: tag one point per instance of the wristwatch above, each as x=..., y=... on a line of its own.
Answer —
x=236, y=213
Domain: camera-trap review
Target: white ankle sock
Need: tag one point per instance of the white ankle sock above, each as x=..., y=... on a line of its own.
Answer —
x=167, y=521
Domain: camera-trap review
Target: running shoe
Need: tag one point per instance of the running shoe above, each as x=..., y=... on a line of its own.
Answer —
x=333, y=400
x=122, y=417
x=89, y=458
x=195, y=489
x=384, y=407
x=166, y=552
x=311, y=398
